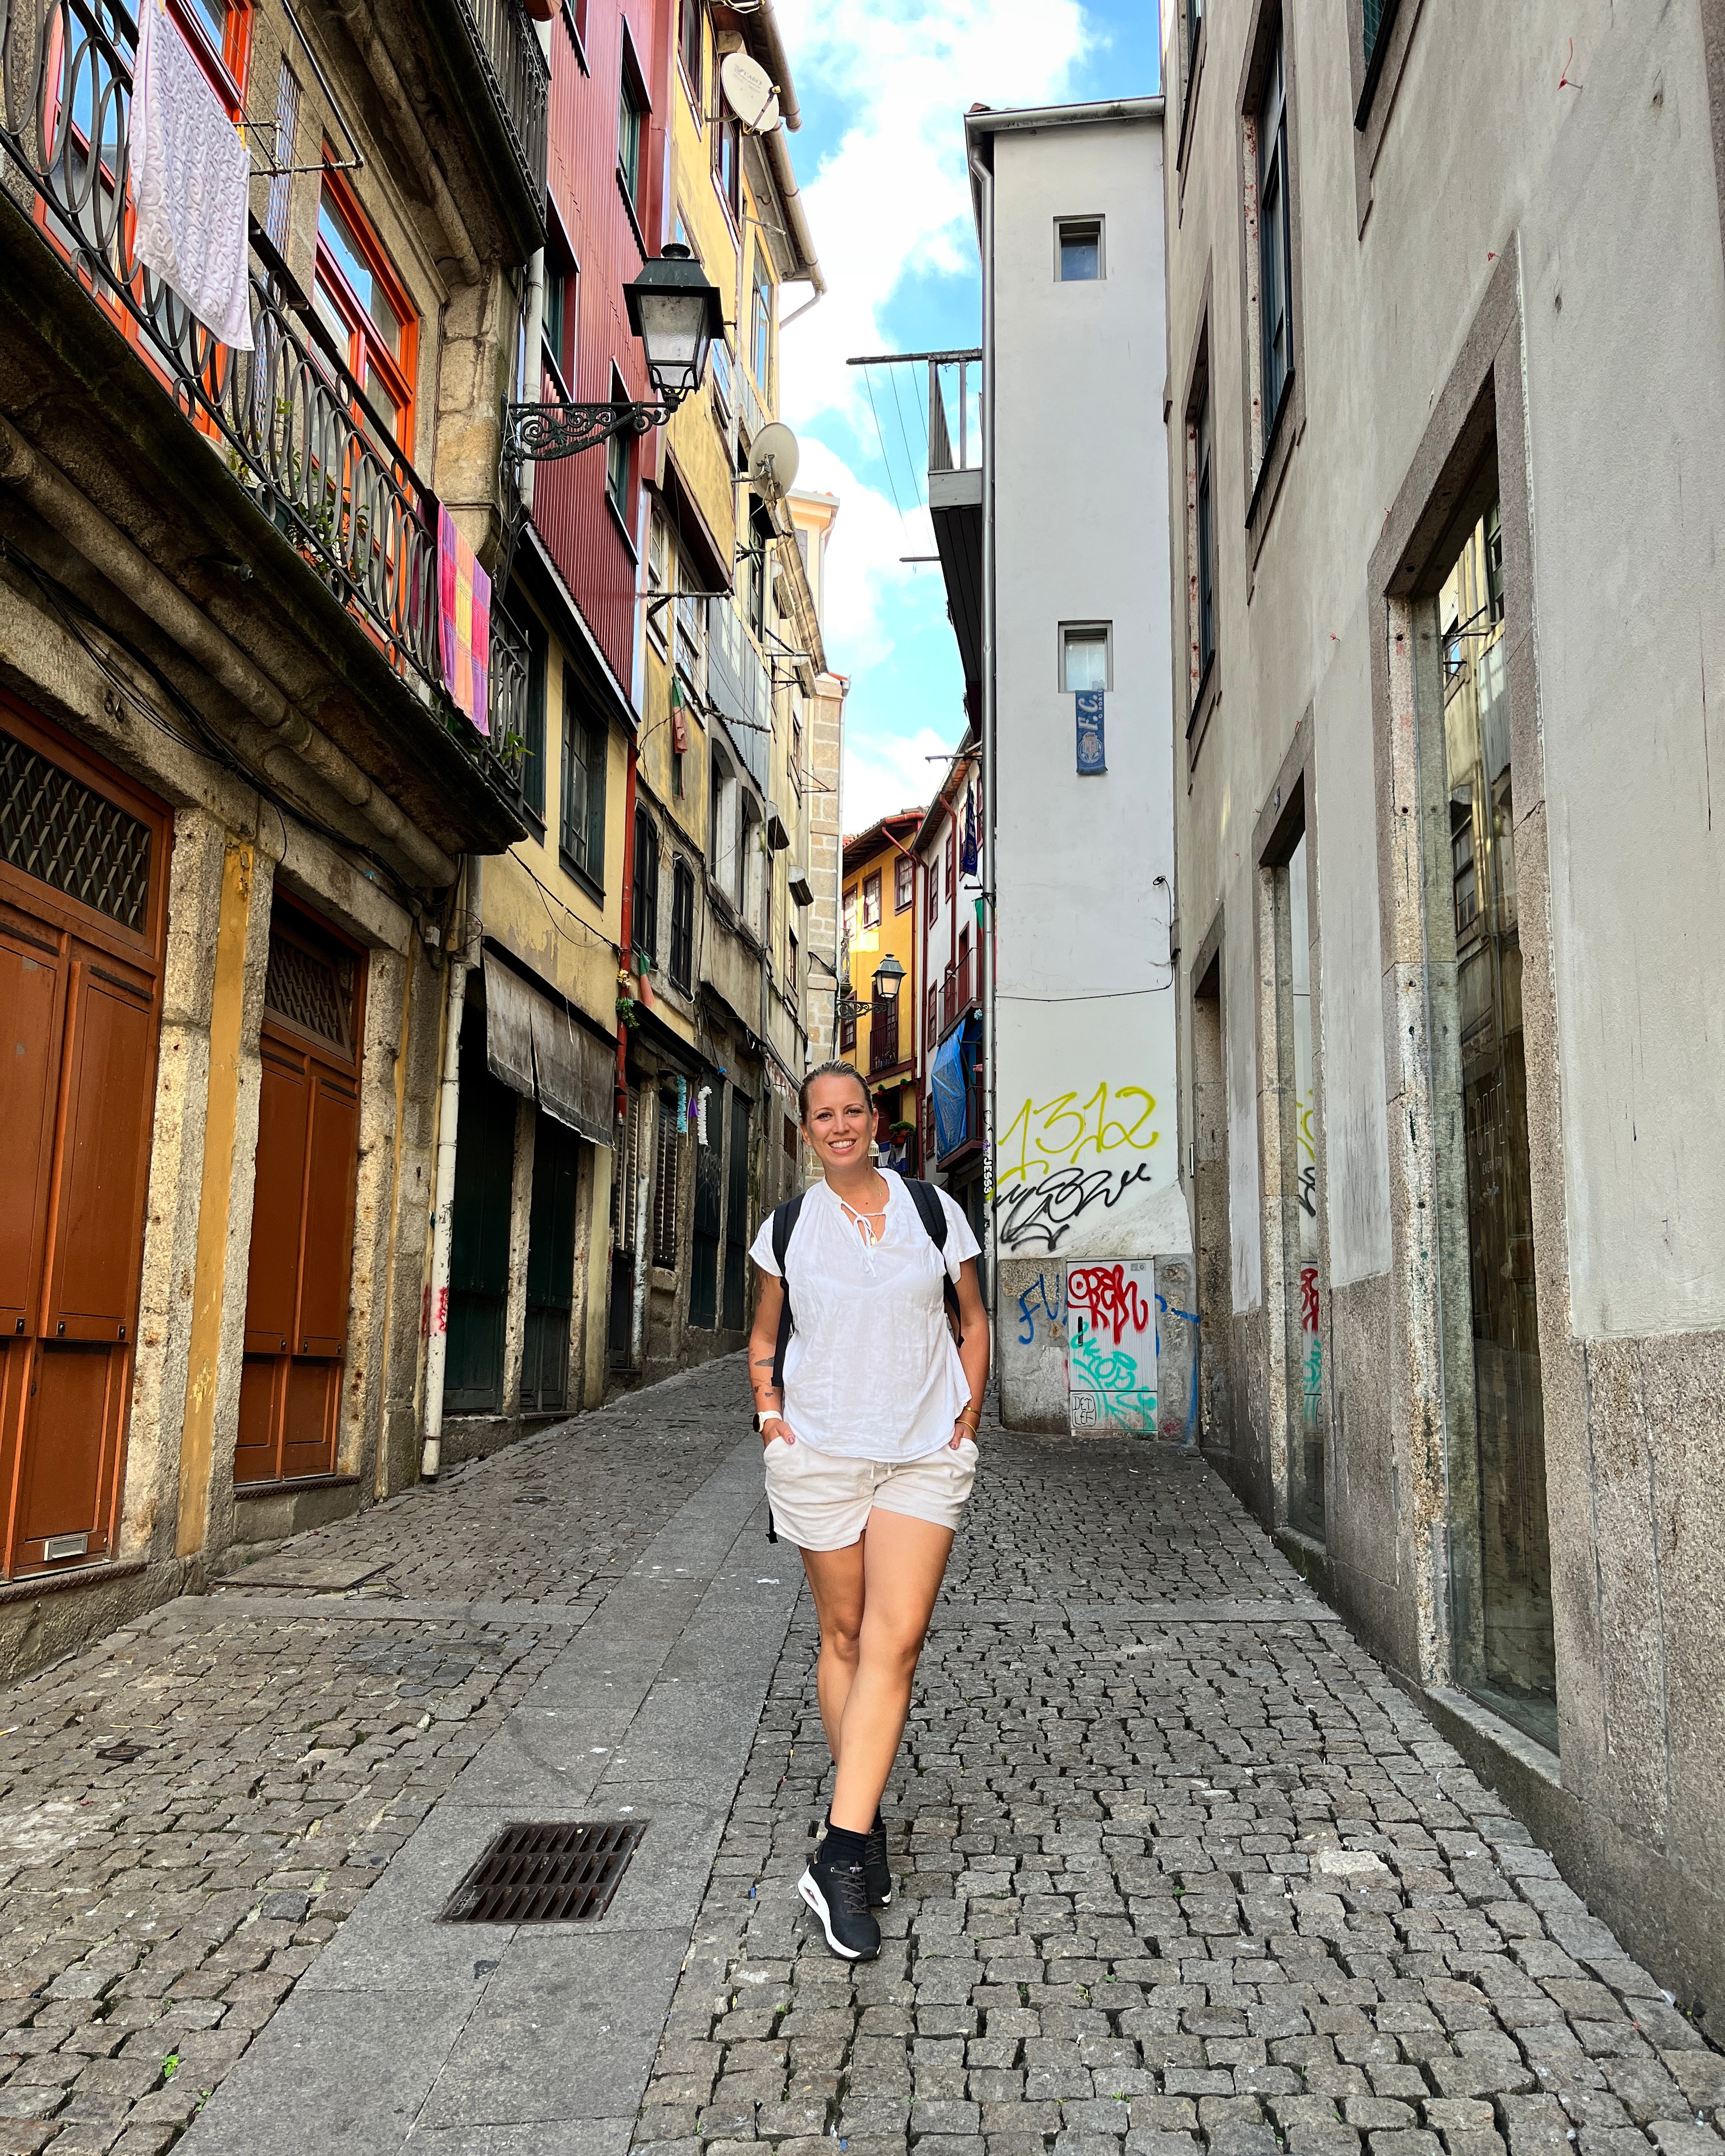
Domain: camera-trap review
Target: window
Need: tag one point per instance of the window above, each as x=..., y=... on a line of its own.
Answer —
x=931, y=1026
x=287, y=127
x=1373, y=16
x=796, y=763
x=645, y=916
x=1202, y=450
x=1084, y=655
x=903, y=892
x=619, y=455
x=659, y=577
x=847, y=1029
x=761, y=324
x=1080, y=249
x=952, y=860
x=583, y=832
x=362, y=305
x=631, y=117
x=682, y=932
x=934, y=896
x=692, y=48
x=664, y=1186
x=790, y=970
x=871, y=900
x=1274, y=303
x=562, y=286
x=850, y=915
x=219, y=33
x=533, y=751
x=727, y=164
x=1194, y=11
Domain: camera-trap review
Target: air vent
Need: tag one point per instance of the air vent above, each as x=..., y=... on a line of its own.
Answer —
x=552, y=1872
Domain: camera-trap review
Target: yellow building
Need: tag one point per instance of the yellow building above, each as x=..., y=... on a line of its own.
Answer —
x=882, y=887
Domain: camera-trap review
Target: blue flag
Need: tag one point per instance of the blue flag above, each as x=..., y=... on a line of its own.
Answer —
x=1093, y=757
x=967, y=857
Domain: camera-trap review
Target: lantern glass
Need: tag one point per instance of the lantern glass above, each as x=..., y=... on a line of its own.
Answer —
x=888, y=980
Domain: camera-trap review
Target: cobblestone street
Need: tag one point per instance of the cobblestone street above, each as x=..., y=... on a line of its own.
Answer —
x=1176, y=1865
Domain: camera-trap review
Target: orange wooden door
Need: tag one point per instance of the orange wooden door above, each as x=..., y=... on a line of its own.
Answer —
x=302, y=1207
x=83, y=862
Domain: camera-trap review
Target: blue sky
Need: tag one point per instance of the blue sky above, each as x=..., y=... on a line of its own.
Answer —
x=883, y=86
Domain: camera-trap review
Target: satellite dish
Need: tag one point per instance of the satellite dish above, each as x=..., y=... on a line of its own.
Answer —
x=772, y=461
x=749, y=92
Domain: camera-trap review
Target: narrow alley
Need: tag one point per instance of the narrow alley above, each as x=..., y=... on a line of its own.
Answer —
x=1176, y=1865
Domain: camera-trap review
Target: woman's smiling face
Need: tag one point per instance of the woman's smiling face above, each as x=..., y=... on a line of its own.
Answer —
x=840, y=1121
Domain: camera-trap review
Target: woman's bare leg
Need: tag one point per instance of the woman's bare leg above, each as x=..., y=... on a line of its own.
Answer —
x=835, y=1579
x=903, y=1560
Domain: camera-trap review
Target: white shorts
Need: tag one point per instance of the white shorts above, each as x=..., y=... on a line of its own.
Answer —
x=822, y=1502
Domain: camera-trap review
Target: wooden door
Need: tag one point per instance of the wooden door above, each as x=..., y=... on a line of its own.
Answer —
x=302, y=1202
x=478, y=1232
x=83, y=920
x=551, y=1267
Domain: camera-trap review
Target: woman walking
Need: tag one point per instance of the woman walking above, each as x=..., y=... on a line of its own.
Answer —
x=870, y=1451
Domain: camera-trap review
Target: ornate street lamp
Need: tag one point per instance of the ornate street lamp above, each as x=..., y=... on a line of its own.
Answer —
x=889, y=978
x=677, y=315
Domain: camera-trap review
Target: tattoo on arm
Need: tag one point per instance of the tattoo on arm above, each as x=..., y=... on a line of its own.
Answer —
x=765, y=1361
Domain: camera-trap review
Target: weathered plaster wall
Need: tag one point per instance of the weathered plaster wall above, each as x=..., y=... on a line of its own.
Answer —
x=1551, y=230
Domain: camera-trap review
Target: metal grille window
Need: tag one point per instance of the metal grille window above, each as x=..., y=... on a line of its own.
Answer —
x=626, y=1159
x=666, y=1167
x=311, y=990
x=1206, y=540
x=1274, y=248
x=63, y=833
x=682, y=930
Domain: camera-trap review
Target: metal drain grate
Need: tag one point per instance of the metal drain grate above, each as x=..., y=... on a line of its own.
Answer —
x=545, y=1873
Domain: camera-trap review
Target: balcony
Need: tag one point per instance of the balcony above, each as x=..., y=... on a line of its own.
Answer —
x=955, y=496
x=288, y=423
x=957, y=992
x=883, y=1037
x=514, y=68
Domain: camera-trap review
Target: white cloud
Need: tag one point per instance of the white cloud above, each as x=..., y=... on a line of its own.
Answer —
x=890, y=772
x=891, y=202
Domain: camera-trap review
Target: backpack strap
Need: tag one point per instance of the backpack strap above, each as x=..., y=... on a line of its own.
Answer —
x=927, y=1201
x=784, y=1219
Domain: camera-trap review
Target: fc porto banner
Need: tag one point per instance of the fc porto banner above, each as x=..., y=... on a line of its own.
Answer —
x=1092, y=757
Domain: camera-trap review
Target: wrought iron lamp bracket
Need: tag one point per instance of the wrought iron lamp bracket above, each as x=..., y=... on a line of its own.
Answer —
x=538, y=433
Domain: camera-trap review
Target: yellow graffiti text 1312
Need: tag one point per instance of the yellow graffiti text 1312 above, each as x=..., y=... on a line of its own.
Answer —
x=1061, y=1133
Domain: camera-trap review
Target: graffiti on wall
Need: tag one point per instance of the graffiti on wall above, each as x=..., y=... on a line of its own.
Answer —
x=1111, y=1355
x=1037, y=1215
x=1037, y=1298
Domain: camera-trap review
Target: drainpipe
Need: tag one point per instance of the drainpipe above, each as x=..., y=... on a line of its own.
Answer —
x=625, y=953
x=982, y=173
x=532, y=371
x=437, y=1303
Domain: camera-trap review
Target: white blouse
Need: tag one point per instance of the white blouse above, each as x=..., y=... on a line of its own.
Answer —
x=871, y=1371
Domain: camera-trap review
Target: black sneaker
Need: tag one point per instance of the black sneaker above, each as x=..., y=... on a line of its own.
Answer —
x=877, y=1866
x=839, y=1895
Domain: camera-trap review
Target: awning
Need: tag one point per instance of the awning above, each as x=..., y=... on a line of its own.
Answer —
x=578, y=1073
x=509, y=1027
x=538, y=1050
x=950, y=1093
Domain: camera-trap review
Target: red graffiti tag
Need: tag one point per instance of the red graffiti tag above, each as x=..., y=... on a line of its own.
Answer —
x=1109, y=1298
x=1308, y=1298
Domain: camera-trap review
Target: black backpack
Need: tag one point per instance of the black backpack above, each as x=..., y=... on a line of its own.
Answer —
x=933, y=1215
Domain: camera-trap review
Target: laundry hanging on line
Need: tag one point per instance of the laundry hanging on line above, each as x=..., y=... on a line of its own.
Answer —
x=463, y=613
x=191, y=172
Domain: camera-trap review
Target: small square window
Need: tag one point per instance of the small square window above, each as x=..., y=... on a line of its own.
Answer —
x=1084, y=655
x=1081, y=249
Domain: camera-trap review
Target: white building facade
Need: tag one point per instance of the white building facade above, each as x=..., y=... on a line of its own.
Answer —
x=1076, y=733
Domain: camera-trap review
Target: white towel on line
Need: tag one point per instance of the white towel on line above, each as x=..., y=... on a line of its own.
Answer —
x=190, y=176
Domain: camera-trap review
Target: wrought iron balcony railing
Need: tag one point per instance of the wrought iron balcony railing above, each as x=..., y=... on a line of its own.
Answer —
x=287, y=421
x=519, y=75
